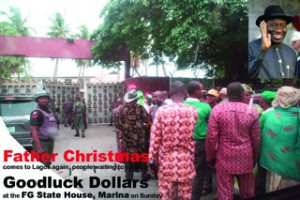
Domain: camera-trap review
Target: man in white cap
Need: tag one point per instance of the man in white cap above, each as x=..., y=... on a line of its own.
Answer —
x=132, y=120
x=223, y=95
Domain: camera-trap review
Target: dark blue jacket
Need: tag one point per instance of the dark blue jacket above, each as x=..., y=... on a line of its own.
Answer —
x=270, y=64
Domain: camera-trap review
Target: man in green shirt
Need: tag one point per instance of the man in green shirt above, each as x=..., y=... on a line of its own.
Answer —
x=79, y=111
x=194, y=89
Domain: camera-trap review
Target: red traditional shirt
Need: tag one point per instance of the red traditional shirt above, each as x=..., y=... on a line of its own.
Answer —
x=233, y=138
x=172, y=141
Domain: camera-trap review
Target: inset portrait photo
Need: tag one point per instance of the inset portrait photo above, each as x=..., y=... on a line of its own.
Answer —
x=272, y=25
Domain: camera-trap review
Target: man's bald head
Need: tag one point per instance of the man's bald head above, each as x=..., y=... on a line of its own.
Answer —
x=235, y=91
x=157, y=97
x=194, y=86
x=177, y=87
x=156, y=93
x=164, y=94
x=178, y=91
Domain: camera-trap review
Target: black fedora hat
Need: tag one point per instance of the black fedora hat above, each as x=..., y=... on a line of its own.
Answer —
x=274, y=12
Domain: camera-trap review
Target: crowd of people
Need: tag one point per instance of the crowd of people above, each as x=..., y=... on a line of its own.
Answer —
x=268, y=56
x=195, y=134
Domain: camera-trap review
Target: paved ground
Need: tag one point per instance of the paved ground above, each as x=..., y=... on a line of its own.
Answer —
x=100, y=138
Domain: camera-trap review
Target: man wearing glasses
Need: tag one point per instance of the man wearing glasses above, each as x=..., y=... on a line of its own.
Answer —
x=268, y=57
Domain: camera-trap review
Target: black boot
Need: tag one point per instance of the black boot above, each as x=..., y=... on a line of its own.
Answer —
x=77, y=134
x=83, y=134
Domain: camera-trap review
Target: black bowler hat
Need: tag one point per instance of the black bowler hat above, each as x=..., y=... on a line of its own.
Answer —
x=273, y=12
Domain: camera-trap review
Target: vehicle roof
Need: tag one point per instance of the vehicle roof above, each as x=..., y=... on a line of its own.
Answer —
x=17, y=98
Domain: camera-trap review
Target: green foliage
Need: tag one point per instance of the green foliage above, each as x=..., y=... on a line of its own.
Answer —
x=58, y=28
x=15, y=24
x=11, y=65
x=209, y=34
x=83, y=34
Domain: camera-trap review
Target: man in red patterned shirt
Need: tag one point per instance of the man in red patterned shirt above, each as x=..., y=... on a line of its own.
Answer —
x=172, y=145
x=232, y=144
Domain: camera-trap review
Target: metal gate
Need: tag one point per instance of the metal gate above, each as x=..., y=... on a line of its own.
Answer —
x=100, y=97
x=100, y=100
x=18, y=88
